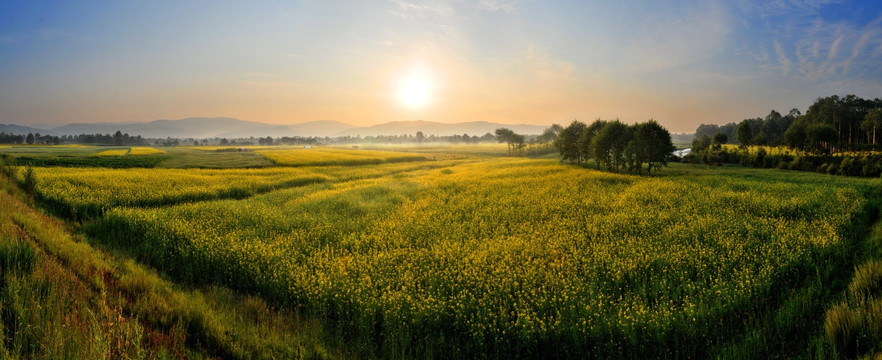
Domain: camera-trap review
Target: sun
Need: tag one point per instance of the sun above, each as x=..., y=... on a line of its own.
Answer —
x=415, y=90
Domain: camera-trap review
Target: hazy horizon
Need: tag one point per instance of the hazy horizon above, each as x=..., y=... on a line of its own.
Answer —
x=367, y=63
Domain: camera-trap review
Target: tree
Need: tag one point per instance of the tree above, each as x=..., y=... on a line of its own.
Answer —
x=30, y=139
x=795, y=135
x=821, y=137
x=651, y=144
x=872, y=121
x=610, y=143
x=118, y=138
x=420, y=138
x=515, y=142
x=719, y=140
x=550, y=134
x=701, y=144
x=744, y=134
x=586, y=141
x=568, y=142
x=773, y=133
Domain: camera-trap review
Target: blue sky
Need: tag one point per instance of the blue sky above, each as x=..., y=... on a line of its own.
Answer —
x=681, y=63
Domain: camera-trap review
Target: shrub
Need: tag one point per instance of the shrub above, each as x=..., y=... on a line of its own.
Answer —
x=30, y=181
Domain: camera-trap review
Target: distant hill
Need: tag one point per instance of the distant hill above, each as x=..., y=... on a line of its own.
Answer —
x=200, y=128
x=435, y=128
x=183, y=128
x=23, y=130
x=320, y=128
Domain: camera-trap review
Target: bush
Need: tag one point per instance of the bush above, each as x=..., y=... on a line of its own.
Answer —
x=29, y=184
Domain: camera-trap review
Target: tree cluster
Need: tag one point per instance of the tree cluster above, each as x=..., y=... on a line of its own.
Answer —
x=831, y=124
x=615, y=145
x=519, y=144
x=515, y=142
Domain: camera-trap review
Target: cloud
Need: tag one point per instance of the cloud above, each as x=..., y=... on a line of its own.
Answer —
x=494, y=5
x=786, y=64
x=824, y=51
x=419, y=8
x=678, y=37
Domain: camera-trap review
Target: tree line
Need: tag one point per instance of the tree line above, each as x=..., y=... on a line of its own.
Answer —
x=836, y=135
x=616, y=146
x=831, y=124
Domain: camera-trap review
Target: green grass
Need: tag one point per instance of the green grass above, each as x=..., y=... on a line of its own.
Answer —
x=190, y=158
x=79, y=156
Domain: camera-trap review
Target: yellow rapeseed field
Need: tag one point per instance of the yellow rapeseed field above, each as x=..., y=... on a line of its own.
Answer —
x=144, y=150
x=112, y=152
x=498, y=254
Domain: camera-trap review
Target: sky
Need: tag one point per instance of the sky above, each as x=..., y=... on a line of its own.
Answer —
x=682, y=63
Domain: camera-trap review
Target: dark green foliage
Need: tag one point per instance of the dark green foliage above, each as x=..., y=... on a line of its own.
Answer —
x=609, y=145
x=119, y=162
x=617, y=146
x=701, y=144
x=651, y=145
x=568, y=142
x=719, y=140
x=29, y=183
x=744, y=134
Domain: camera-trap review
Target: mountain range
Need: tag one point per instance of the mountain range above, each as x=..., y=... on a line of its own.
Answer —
x=199, y=128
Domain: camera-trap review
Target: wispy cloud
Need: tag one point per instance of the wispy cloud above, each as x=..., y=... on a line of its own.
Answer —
x=688, y=36
x=823, y=51
x=785, y=62
x=411, y=9
x=494, y=5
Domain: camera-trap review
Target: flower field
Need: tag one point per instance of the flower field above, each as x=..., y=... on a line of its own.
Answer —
x=331, y=156
x=493, y=257
x=112, y=152
x=144, y=150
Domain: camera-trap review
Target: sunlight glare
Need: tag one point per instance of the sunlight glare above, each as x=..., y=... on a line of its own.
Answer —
x=415, y=90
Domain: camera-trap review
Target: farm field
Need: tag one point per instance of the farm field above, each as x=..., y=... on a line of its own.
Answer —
x=494, y=256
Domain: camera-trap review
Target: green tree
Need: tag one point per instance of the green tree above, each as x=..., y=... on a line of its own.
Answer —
x=872, y=121
x=30, y=139
x=744, y=133
x=610, y=143
x=701, y=144
x=821, y=137
x=650, y=144
x=118, y=138
x=795, y=136
x=719, y=140
x=514, y=141
x=586, y=141
x=568, y=142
